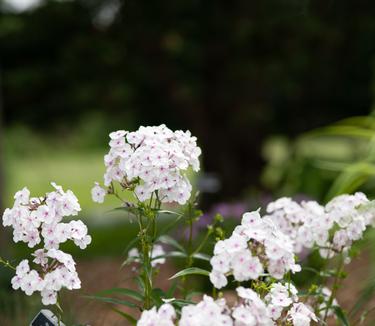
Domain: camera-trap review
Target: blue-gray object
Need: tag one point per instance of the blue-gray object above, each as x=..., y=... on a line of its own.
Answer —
x=46, y=318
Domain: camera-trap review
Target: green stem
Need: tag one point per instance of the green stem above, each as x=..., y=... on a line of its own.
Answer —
x=214, y=292
x=189, y=258
x=198, y=249
x=6, y=264
x=148, y=235
x=59, y=310
x=146, y=264
x=335, y=286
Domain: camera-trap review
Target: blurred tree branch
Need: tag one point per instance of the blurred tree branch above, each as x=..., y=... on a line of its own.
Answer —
x=3, y=237
x=1, y=149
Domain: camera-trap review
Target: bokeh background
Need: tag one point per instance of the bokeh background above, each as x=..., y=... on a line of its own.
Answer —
x=257, y=82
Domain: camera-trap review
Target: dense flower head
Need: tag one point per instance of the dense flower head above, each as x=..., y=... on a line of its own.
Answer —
x=152, y=159
x=39, y=221
x=332, y=227
x=254, y=247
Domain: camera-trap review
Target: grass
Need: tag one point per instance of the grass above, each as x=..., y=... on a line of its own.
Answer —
x=73, y=170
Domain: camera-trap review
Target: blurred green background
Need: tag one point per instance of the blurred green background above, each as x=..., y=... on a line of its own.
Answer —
x=257, y=82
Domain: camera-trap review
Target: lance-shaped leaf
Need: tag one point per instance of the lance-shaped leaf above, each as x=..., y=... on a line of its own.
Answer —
x=191, y=271
x=166, y=239
x=113, y=300
x=129, y=318
x=123, y=291
x=341, y=315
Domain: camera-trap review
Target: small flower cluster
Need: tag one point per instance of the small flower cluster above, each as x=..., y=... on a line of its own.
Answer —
x=163, y=317
x=255, y=246
x=332, y=228
x=300, y=222
x=151, y=159
x=156, y=255
x=34, y=219
x=57, y=272
x=279, y=306
x=206, y=312
x=40, y=217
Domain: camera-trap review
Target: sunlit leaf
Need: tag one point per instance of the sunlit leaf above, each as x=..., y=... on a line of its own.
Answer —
x=191, y=271
x=201, y=256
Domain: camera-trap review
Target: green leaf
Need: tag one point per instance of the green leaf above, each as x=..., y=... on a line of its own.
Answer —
x=166, y=239
x=157, y=295
x=164, y=211
x=341, y=130
x=191, y=271
x=129, y=318
x=177, y=254
x=364, y=298
x=351, y=178
x=131, y=210
x=193, y=294
x=140, y=283
x=126, y=292
x=130, y=244
x=112, y=300
x=181, y=302
x=168, y=227
x=341, y=316
x=201, y=256
x=172, y=289
x=129, y=260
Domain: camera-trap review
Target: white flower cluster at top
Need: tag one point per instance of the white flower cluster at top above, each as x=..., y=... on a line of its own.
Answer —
x=279, y=305
x=34, y=219
x=254, y=246
x=154, y=158
x=332, y=227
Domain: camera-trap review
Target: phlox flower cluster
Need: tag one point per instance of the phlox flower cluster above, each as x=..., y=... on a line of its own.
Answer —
x=39, y=220
x=279, y=305
x=332, y=227
x=57, y=271
x=164, y=316
x=156, y=253
x=206, y=312
x=152, y=159
x=255, y=246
